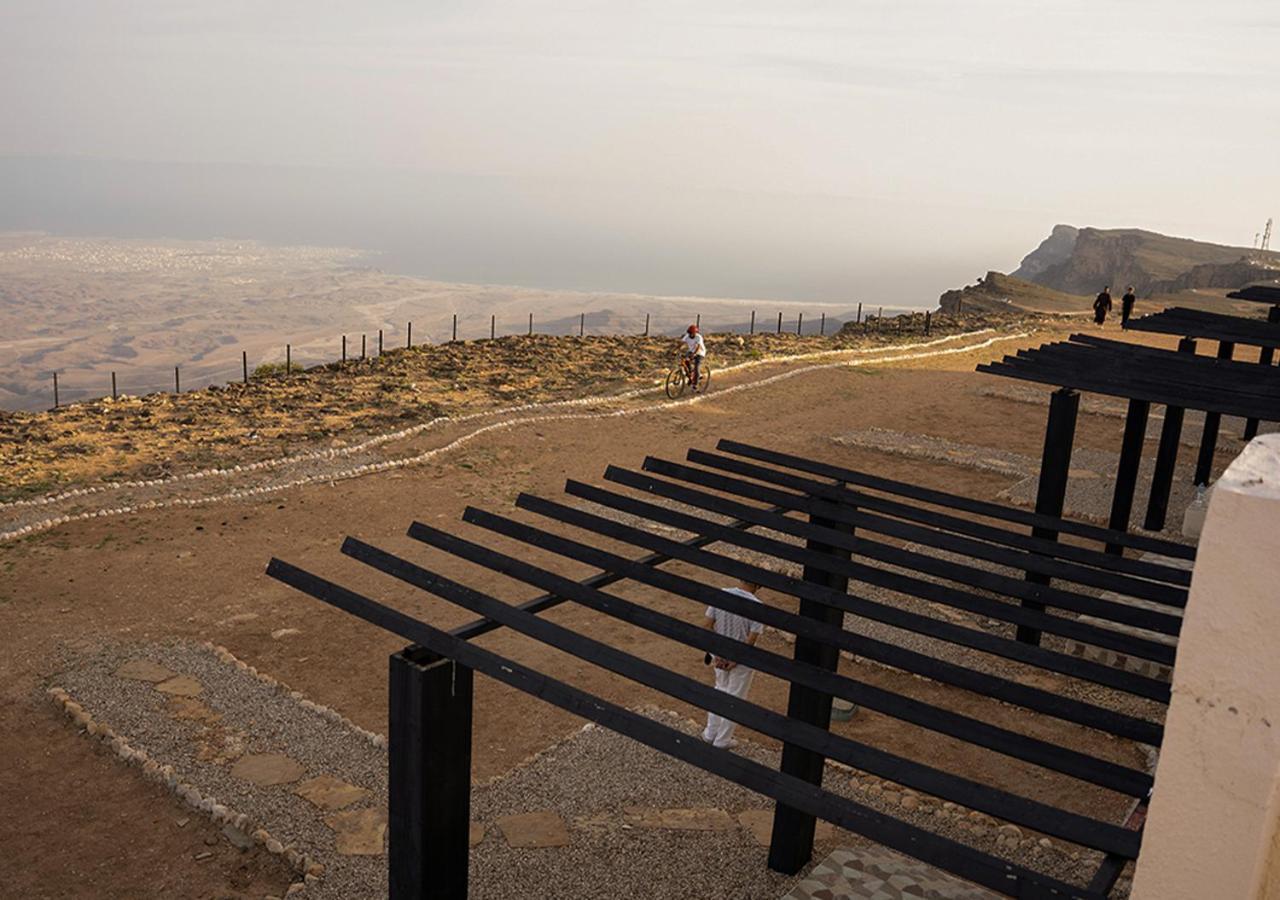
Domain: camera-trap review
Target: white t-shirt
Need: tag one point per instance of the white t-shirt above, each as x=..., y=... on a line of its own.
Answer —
x=694, y=344
x=732, y=625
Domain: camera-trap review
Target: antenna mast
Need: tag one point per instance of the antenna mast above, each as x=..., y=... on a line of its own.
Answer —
x=1266, y=237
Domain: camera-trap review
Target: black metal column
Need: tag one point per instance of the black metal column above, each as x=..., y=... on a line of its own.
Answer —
x=1166, y=458
x=1265, y=356
x=429, y=798
x=1212, y=422
x=1051, y=492
x=1135, y=436
x=791, y=844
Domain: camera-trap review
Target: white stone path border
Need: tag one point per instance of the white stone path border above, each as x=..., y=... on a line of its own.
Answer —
x=427, y=455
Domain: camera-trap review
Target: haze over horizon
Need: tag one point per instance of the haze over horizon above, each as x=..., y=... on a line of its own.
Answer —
x=744, y=150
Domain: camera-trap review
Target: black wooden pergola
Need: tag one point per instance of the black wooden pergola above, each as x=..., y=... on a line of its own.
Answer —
x=845, y=530
x=1178, y=380
x=1228, y=331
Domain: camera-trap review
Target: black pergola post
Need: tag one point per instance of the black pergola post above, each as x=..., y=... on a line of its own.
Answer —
x=1212, y=422
x=1135, y=436
x=1166, y=458
x=1051, y=493
x=429, y=777
x=1265, y=356
x=791, y=844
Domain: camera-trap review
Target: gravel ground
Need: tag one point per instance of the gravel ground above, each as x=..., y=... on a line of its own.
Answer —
x=589, y=779
x=1089, y=489
x=256, y=718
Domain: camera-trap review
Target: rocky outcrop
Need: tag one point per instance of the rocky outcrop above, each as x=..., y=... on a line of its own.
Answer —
x=1083, y=261
x=1054, y=250
x=997, y=292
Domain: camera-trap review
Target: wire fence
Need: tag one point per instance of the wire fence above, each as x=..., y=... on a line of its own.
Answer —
x=86, y=386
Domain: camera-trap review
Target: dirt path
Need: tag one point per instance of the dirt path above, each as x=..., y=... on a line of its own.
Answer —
x=195, y=570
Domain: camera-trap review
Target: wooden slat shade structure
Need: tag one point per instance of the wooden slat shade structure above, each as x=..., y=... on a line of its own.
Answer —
x=1178, y=380
x=755, y=514
x=1258, y=293
x=1197, y=323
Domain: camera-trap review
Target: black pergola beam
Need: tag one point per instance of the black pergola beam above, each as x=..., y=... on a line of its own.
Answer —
x=473, y=630
x=1072, y=827
x=1206, y=381
x=1065, y=664
x=902, y=583
x=1166, y=459
x=1047, y=702
x=1051, y=490
x=1265, y=355
x=1131, y=445
x=981, y=868
x=428, y=777
x=1209, y=436
x=1210, y=326
x=791, y=838
x=1052, y=756
x=1258, y=293
x=955, y=501
x=942, y=568
x=1011, y=557
x=943, y=521
x=1232, y=404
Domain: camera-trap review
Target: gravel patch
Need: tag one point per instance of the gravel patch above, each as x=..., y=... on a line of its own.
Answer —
x=590, y=779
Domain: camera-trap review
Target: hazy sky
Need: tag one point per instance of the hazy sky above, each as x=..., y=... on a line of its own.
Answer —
x=948, y=134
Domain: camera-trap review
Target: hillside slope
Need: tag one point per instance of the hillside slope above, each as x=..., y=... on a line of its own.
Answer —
x=1083, y=260
x=996, y=292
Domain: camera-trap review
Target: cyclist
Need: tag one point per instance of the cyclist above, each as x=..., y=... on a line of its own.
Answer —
x=692, y=351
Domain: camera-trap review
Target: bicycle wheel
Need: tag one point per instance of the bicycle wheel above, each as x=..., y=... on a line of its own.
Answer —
x=705, y=380
x=676, y=381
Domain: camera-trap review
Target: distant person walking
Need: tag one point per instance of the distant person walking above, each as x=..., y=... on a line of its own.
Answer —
x=1102, y=306
x=1126, y=306
x=694, y=349
x=731, y=677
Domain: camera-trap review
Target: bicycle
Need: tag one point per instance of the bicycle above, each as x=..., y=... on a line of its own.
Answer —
x=679, y=377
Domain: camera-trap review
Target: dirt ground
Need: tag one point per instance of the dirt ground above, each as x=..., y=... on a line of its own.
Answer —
x=91, y=827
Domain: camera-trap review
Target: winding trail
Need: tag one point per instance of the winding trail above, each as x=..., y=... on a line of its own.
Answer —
x=22, y=518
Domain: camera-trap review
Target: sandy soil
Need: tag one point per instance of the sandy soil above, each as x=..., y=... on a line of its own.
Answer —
x=183, y=572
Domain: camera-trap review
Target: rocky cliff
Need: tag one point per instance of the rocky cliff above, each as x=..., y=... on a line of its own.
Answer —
x=1083, y=260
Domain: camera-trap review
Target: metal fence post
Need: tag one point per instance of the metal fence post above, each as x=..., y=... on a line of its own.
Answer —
x=822, y=326
x=697, y=320
x=379, y=341
x=858, y=320
x=493, y=327
x=344, y=348
x=646, y=324
x=455, y=328
x=779, y=323
x=530, y=324
x=429, y=776
x=408, y=341
x=177, y=384
x=244, y=360
x=363, y=346
x=753, y=322
x=799, y=322
x=114, y=395
x=55, y=390
x=582, y=324
x=288, y=359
